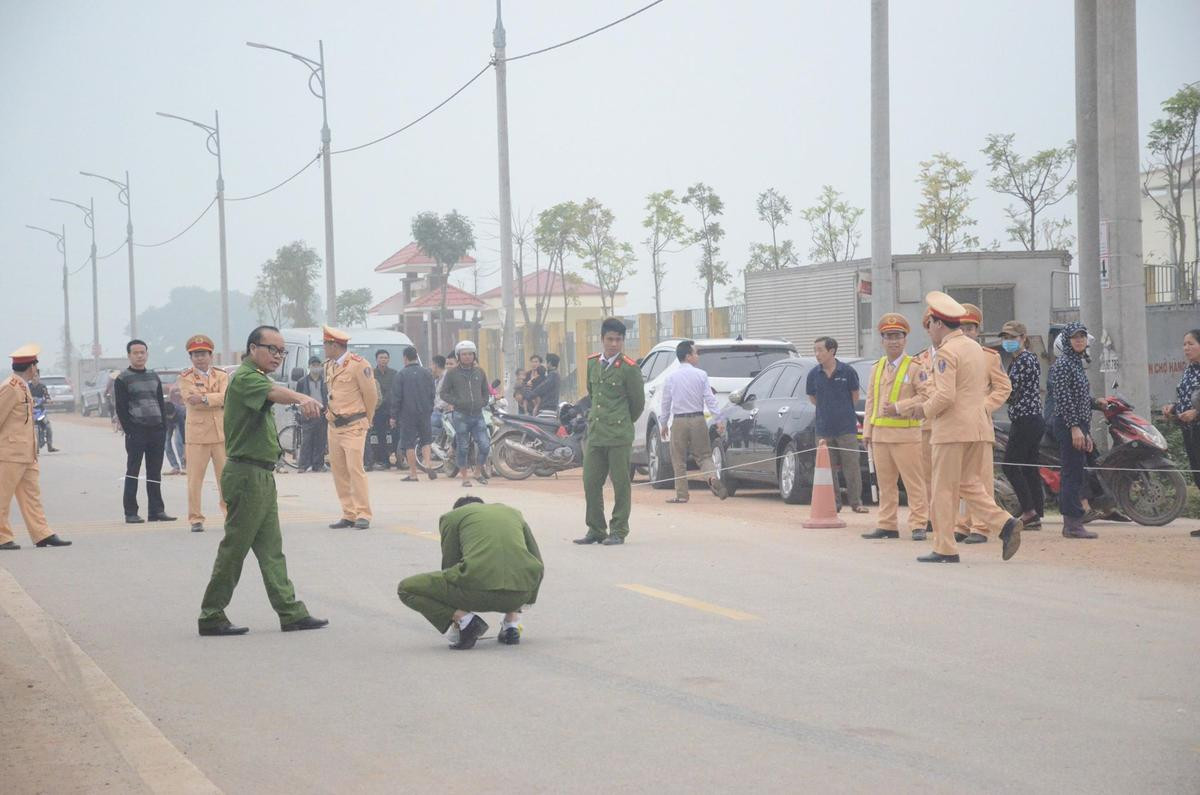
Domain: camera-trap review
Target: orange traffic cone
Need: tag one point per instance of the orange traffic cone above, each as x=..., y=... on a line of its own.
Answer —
x=823, y=511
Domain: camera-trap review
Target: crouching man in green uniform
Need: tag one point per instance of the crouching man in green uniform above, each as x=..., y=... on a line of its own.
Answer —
x=248, y=486
x=490, y=563
x=614, y=384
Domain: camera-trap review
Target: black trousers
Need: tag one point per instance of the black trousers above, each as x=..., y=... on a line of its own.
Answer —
x=312, y=443
x=1191, y=443
x=1024, y=439
x=140, y=442
x=380, y=452
x=1073, y=476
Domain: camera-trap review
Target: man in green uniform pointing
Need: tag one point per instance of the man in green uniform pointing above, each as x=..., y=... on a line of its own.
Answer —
x=490, y=563
x=614, y=384
x=248, y=486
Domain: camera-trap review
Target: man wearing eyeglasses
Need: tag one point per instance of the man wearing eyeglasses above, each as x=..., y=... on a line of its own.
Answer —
x=248, y=486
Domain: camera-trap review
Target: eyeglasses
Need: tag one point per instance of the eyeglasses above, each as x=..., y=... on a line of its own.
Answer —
x=893, y=335
x=275, y=351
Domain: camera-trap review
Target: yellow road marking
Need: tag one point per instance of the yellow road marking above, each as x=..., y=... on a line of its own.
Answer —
x=687, y=601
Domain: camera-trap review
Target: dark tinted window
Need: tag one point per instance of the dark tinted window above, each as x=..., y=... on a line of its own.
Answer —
x=739, y=361
x=761, y=387
x=786, y=385
x=662, y=361
x=648, y=365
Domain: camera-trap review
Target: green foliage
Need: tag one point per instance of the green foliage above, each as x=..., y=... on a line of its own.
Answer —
x=285, y=293
x=773, y=209
x=1171, y=143
x=712, y=271
x=610, y=262
x=942, y=213
x=667, y=228
x=445, y=239
x=194, y=310
x=1178, y=455
x=555, y=234
x=834, y=227
x=352, y=306
x=1037, y=182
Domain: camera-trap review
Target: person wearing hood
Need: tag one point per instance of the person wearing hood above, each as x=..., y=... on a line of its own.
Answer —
x=1072, y=424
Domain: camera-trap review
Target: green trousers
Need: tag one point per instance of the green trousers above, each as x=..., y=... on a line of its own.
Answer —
x=432, y=596
x=600, y=464
x=251, y=523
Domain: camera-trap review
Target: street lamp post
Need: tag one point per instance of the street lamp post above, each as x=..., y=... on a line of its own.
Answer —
x=61, y=241
x=89, y=219
x=213, y=144
x=317, y=74
x=123, y=197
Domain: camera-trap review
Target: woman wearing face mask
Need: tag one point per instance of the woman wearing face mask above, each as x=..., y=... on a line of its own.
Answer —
x=1025, y=412
x=1186, y=408
x=1072, y=424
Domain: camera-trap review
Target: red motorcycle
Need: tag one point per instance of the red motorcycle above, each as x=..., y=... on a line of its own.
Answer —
x=1135, y=477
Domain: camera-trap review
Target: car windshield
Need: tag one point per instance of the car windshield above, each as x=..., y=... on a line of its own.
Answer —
x=739, y=362
x=367, y=351
x=168, y=378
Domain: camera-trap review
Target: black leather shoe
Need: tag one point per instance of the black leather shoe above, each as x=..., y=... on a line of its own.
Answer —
x=510, y=636
x=960, y=537
x=1011, y=537
x=468, y=636
x=160, y=517
x=718, y=488
x=362, y=524
x=1195, y=534
x=919, y=534
x=197, y=527
x=588, y=540
x=340, y=524
x=10, y=545
x=223, y=629
x=934, y=557
x=133, y=518
x=52, y=449
x=308, y=622
x=975, y=538
x=879, y=532
x=53, y=540
x=612, y=541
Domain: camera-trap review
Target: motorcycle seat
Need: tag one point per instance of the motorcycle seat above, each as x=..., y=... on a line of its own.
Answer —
x=545, y=421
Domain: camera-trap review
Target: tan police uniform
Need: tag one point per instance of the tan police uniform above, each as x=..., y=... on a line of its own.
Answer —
x=353, y=397
x=19, y=471
x=895, y=442
x=204, y=428
x=962, y=432
x=999, y=388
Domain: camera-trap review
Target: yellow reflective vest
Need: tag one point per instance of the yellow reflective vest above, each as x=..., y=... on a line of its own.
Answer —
x=897, y=383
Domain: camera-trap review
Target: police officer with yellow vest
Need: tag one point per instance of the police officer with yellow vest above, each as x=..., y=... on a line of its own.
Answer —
x=353, y=398
x=895, y=442
x=203, y=389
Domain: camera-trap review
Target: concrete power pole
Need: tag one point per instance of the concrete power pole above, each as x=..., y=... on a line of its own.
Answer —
x=1122, y=341
x=1087, y=196
x=507, y=341
x=882, y=287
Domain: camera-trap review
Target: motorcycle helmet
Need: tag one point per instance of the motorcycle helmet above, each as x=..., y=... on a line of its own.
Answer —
x=465, y=346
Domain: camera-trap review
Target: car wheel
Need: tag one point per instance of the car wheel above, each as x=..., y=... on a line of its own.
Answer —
x=719, y=463
x=658, y=457
x=790, y=471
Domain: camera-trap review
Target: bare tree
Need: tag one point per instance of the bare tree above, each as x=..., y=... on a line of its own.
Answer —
x=667, y=228
x=555, y=234
x=1038, y=182
x=834, y=226
x=773, y=209
x=1172, y=147
x=712, y=271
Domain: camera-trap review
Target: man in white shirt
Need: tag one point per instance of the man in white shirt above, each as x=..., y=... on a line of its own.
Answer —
x=685, y=396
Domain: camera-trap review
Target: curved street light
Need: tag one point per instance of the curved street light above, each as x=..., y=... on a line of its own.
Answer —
x=89, y=220
x=123, y=198
x=61, y=242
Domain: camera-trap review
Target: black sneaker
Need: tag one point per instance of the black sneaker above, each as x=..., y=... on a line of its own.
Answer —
x=509, y=636
x=223, y=629
x=308, y=622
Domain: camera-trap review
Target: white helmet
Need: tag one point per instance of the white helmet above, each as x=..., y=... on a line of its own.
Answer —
x=465, y=346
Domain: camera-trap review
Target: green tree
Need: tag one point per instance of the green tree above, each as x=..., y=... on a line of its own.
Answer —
x=942, y=213
x=352, y=306
x=609, y=261
x=666, y=228
x=527, y=258
x=285, y=293
x=712, y=271
x=555, y=234
x=773, y=209
x=1172, y=167
x=834, y=227
x=1038, y=182
x=194, y=310
x=445, y=239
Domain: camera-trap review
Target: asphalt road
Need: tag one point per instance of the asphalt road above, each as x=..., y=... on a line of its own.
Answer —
x=723, y=648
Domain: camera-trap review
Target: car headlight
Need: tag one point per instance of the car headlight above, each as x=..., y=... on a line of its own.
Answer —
x=1155, y=437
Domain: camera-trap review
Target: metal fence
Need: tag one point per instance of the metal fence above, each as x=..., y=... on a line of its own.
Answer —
x=1172, y=284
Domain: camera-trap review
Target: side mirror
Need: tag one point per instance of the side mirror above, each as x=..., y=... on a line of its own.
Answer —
x=297, y=374
x=735, y=397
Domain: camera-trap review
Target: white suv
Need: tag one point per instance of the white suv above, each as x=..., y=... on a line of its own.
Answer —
x=730, y=364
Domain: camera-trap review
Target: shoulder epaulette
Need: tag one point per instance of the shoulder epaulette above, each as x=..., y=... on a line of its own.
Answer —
x=355, y=357
x=188, y=371
x=629, y=361
x=594, y=356
x=992, y=351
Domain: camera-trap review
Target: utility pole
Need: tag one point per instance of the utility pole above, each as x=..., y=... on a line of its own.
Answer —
x=61, y=241
x=508, y=341
x=882, y=287
x=89, y=219
x=317, y=74
x=213, y=144
x=1087, y=170
x=124, y=198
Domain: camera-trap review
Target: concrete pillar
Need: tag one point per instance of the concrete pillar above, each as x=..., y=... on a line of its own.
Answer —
x=647, y=334
x=555, y=339
x=1123, y=294
x=718, y=322
x=1087, y=194
x=882, y=289
x=681, y=323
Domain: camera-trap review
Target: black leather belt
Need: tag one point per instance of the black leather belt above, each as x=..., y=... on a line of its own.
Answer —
x=689, y=414
x=253, y=463
x=340, y=421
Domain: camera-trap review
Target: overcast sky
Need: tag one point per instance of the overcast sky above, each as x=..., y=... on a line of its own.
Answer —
x=743, y=96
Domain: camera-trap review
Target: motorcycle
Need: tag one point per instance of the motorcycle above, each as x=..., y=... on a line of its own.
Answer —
x=42, y=420
x=525, y=445
x=1135, y=477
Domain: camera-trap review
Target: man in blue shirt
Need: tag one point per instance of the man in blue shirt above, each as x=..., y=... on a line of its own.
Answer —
x=833, y=389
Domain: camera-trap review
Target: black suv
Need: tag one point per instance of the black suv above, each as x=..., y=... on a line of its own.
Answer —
x=766, y=425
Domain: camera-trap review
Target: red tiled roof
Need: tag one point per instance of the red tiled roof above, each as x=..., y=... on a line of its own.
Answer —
x=389, y=306
x=537, y=283
x=411, y=259
x=455, y=299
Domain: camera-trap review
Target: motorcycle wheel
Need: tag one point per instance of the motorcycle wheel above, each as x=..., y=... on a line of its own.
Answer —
x=1006, y=498
x=504, y=460
x=1150, y=498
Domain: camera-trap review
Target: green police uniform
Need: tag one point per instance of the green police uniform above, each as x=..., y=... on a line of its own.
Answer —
x=618, y=396
x=490, y=564
x=252, y=508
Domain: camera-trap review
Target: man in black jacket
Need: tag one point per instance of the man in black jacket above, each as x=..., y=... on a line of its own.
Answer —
x=465, y=390
x=412, y=406
x=313, y=432
x=138, y=396
x=378, y=454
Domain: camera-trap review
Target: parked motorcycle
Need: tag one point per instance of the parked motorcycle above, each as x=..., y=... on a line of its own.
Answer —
x=42, y=420
x=1135, y=477
x=524, y=445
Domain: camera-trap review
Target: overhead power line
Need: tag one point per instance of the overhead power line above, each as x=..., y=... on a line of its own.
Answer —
x=86, y=261
x=186, y=229
x=584, y=36
x=303, y=168
x=113, y=252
